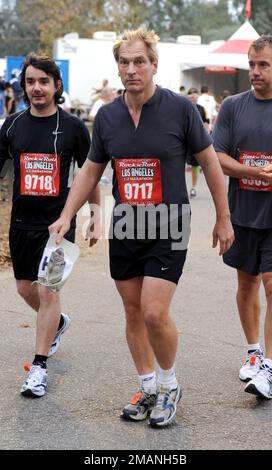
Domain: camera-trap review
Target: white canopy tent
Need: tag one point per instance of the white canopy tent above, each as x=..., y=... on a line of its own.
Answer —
x=224, y=67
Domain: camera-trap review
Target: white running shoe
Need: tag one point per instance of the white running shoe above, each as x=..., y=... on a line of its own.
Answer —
x=251, y=367
x=261, y=385
x=165, y=408
x=193, y=193
x=35, y=384
x=56, y=343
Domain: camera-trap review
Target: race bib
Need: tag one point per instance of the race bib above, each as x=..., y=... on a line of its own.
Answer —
x=254, y=159
x=40, y=174
x=139, y=180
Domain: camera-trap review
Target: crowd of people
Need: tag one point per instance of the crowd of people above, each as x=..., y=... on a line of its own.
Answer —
x=148, y=154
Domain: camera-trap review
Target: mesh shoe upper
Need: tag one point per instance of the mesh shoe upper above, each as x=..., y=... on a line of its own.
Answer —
x=56, y=343
x=165, y=407
x=139, y=407
x=261, y=385
x=35, y=384
x=252, y=365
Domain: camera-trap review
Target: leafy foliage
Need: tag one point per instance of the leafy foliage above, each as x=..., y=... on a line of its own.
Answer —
x=32, y=25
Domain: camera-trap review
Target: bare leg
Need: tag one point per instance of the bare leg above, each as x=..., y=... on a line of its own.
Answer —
x=47, y=320
x=136, y=331
x=267, y=281
x=195, y=174
x=47, y=305
x=155, y=301
x=29, y=292
x=249, y=305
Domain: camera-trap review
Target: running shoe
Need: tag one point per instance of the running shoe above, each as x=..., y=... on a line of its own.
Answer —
x=139, y=407
x=165, y=407
x=252, y=365
x=193, y=193
x=261, y=385
x=56, y=343
x=35, y=384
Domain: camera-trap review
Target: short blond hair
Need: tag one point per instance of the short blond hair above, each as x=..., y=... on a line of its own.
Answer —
x=149, y=38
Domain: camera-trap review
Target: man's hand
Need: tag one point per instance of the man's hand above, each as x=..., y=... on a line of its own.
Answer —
x=60, y=227
x=223, y=232
x=265, y=173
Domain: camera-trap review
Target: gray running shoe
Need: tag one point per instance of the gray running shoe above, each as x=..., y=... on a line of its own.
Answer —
x=139, y=407
x=35, y=384
x=165, y=407
x=56, y=343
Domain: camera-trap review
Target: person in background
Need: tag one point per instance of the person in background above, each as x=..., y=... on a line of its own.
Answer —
x=9, y=99
x=207, y=100
x=193, y=94
x=106, y=96
x=66, y=105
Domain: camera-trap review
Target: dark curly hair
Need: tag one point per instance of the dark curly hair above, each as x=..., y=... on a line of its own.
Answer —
x=49, y=67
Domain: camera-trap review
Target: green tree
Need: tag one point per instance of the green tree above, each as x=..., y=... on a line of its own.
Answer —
x=172, y=18
x=32, y=25
x=261, y=14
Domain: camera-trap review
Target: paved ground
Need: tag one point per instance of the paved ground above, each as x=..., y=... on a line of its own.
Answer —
x=92, y=376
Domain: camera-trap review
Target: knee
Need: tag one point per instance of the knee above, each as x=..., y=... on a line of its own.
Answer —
x=45, y=295
x=24, y=290
x=133, y=315
x=153, y=318
x=246, y=289
x=268, y=288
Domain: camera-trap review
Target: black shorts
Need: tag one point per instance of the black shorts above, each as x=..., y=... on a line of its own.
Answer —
x=191, y=160
x=154, y=258
x=251, y=251
x=26, y=249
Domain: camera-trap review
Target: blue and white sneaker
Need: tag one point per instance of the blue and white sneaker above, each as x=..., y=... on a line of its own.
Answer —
x=261, y=385
x=56, y=343
x=165, y=408
x=35, y=384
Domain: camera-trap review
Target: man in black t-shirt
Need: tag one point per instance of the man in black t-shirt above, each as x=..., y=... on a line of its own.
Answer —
x=44, y=142
x=146, y=134
x=242, y=138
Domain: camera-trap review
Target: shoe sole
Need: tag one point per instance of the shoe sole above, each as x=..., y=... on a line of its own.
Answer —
x=29, y=394
x=251, y=388
x=128, y=417
x=247, y=379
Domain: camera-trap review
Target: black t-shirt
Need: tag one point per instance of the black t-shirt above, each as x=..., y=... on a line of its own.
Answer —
x=243, y=131
x=44, y=156
x=169, y=125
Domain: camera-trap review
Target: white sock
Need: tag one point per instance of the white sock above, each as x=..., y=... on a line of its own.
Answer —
x=253, y=347
x=167, y=377
x=268, y=362
x=148, y=382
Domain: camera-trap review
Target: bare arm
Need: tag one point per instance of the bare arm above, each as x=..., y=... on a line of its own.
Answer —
x=83, y=189
x=223, y=231
x=232, y=167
